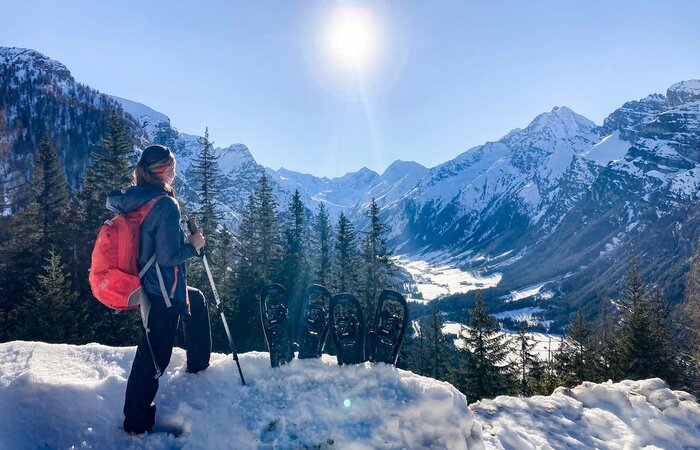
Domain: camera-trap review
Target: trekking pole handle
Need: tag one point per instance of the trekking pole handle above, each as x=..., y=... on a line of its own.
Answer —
x=192, y=225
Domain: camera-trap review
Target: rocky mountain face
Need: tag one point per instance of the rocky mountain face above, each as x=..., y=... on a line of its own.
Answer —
x=485, y=201
x=643, y=205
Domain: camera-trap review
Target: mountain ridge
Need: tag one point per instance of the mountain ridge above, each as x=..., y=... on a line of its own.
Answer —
x=560, y=195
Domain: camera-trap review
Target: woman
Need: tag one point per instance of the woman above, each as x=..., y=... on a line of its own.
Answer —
x=164, y=283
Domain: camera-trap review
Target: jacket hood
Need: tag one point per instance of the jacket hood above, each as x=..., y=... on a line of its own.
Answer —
x=122, y=201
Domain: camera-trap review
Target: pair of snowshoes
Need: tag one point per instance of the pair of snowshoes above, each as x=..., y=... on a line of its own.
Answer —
x=385, y=336
x=341, y=317
x=313, y=327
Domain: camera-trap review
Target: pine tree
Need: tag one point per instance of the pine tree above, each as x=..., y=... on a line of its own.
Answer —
x=260, y=256
x=49, y=315
x=32, y=231
x=323, y=235
x=645, y=345
x=435, y=354
x=50, y=196
x=110, y=168
x=376, y=260
x=295, y=261
x=689, y=318
x=529, y=367
x=606, y=342
x=206, y=176
x=486, y=372
x=270, y=249
x=664, y=354
x=345, y=257
x=576, y=361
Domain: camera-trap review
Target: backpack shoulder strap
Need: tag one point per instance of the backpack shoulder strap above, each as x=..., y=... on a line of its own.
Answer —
x=149, y=205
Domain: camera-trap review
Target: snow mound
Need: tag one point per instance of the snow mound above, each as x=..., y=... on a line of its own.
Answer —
x=66, y=396
x=631, y=414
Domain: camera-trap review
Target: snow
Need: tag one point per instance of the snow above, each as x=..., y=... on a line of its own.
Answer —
x=436, y=280
x=684, y=92
x=545, y=344
x=610, y=148
x=65, y=396
x=521, y=315
x=140, y=111
x=525, y=292
x=627, y=415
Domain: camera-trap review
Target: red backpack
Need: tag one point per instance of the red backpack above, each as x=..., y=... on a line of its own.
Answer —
x=114, y=273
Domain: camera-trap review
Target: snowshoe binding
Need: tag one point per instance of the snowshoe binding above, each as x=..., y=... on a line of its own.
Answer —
x=389, y=327
x=348, y=329
x=274, y=310
x=314, y=324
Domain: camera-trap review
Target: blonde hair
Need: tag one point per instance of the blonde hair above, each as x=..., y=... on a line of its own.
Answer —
x=147, y=176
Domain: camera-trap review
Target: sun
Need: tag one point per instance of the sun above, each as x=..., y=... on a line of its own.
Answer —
x=351, y=38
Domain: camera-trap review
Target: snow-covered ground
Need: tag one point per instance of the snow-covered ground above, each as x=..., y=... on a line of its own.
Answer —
x=521, y=315
x=545, y=344
x=525, y=292
x=437, y=280
x=628, y=415
x=65, y=396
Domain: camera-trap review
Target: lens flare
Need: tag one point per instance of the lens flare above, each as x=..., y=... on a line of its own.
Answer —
x=347, y=403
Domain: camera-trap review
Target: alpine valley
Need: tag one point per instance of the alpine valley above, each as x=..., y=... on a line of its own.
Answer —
x=556, y=209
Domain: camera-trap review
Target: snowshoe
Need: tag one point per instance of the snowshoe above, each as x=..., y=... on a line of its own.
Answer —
x=274, y=310
x=389, y=327
x=347, y=329
x=314, y=324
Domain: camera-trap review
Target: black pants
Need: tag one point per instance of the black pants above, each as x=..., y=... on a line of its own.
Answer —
x=142, y=386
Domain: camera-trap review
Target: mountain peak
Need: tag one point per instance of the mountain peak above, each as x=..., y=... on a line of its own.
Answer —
x=561, y=123
x=234, y=156
x=400, y=167
x=33, y=61
x=238, y=149
x=561, y=119
x=683, y=92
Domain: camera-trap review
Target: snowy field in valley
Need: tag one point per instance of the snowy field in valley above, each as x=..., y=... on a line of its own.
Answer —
x=545, y=344
x=64, y=396
x=437, y=280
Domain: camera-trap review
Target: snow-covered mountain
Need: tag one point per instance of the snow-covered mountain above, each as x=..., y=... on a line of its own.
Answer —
x=349, y=193
x=38, y=97
x=643, y=204
x=66, y=396
x=491, y=195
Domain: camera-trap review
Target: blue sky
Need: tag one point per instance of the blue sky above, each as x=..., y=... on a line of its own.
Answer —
x=447, y=75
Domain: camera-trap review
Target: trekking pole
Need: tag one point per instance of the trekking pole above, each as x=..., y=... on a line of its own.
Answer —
x=192, y=227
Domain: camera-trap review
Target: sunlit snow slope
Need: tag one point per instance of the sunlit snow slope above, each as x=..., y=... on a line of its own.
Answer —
x=65, y=396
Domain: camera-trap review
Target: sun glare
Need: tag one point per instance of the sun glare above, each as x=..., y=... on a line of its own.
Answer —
x=351, y=38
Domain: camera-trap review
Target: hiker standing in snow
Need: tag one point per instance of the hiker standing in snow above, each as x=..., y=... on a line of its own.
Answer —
x=162, y=254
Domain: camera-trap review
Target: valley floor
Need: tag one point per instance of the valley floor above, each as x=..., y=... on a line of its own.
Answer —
x=65, y=396
x=433, y=280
